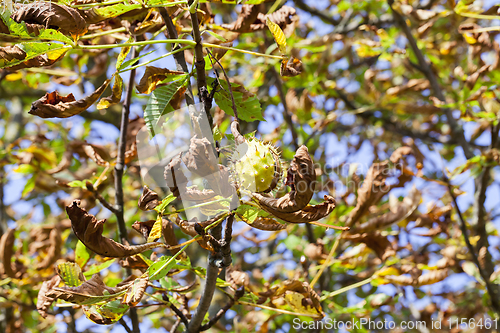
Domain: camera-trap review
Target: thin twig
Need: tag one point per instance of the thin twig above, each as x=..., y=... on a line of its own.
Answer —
x=101, y=199
x=180, y=61
x=426, y=69
x=235, y=109
x=286, y=113
x=200, y=67
x=125, y=325
x=119, y=169
x=179, y=314
x=239, y=293
x=463, y=227
x=175, y=326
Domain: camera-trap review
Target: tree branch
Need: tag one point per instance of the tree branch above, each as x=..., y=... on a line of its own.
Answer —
x=180, y=61
x=426, y=69
x=239, y=293
x=119, y=169
x=486, y=277
x=286, y=113
x=200, y=66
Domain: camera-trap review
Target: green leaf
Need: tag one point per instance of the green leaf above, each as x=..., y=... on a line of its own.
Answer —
x=247, y=104
x=219, y=37
x=123, y=54
x=131, y=61
x=70, y=273
x=164, y=203
x=248, y=213
x=20, y=30
x=94, y=269
x=78, y=183
x=160, y=268
x=82, y=254
x=115, y=10
x=158, y=104
x=30, y=185
x=163, y=3
x=107, y=313
x=33, y=49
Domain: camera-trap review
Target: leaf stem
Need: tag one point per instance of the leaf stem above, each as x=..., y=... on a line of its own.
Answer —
x=327, y=261
x=241, y=51
x=142, y=43
x=156, y=59
x=352, y=286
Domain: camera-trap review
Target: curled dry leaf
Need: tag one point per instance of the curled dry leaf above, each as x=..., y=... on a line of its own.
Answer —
x=134, y=262
x=300, y=176
x=9, y=53
x=148, y=199
x=237, y=278
x=144, y=228
x=201, y=160
x=116, y=95
x=309, y=213
x=174, y=176
x=54, y=251
x=92, y=153
x=44, y=300
x=291, y=67
x=425, y=279
x=6, y=251
x=89, y=231
x=134, y=126
x=152, y=77
x=251, y=19
x=93, y=287
x=244, y=21
x=265, y=223
x=300, y=296
x=136, y=291
x=53, y=105
x=315, y=251
x=49, y=14
x=399, y=153
x=399, y=213
x=375, y=241
x=167, y=230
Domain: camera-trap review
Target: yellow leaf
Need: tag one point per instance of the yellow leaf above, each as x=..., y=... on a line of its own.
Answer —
x=296, y=301
x=278, y=35
x=387, y=271
x=155, y=233
x=469, y=39
x=14, y=76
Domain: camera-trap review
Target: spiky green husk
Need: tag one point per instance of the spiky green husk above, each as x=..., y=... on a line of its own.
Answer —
x=255, y=165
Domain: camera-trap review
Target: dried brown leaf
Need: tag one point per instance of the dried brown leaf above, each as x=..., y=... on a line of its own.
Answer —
x=54, y=251
x=44, y=301
x=89, y=231
x=6, y=252
x=53, y=105
x=134, y=126
x=136, y=291
x=148, y=199
x=144, y=228
x=92, y=153
x=53, y=15
x=251, y=19
x=201, y=160
x=300, y=177
x=309, y=213
x=152, y=77
x=237, y=278
x=375, y=241
x=265, y=223
x=167, y=230
x=402, y=211
x=174, y=176
x=291, y=67
x=93, y=287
